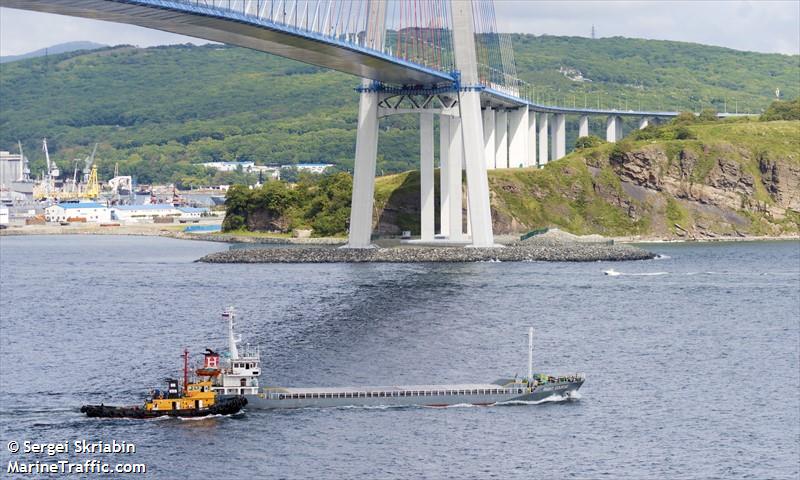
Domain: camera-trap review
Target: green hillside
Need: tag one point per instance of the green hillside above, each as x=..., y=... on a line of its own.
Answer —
x=159, y=111
x=629, y=73
x=722, y=178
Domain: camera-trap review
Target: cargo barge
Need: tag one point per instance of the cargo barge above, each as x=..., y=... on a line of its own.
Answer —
x=238, y=372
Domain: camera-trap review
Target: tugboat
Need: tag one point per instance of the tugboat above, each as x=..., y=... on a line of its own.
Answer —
x=198, y=399
x=238, y=376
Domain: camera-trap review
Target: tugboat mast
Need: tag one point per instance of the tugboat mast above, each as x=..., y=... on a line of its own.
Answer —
x=185, y=371
x=230, y=313
x=530, y=354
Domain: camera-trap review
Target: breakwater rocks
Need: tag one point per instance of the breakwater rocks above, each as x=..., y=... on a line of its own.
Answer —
x=517, y=253
x=234, y=238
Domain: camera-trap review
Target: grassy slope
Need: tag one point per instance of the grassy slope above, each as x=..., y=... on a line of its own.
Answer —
x=156, y=111
x=654, y=74
x=571, y=195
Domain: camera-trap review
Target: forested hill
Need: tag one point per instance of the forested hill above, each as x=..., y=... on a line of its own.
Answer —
x=158, y=111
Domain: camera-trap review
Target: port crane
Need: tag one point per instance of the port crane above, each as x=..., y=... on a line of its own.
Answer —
x=47, y=188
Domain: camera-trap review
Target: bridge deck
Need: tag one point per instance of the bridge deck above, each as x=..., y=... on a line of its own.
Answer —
x=246, y=31
x=236, y=28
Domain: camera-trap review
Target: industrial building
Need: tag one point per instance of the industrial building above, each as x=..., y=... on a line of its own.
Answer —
x=270, y=171
x=14, y=173
x=148, y=213
x=143, y=213
x=311, y=167
x=192, y=213
x=93, y=212
x=77, y=212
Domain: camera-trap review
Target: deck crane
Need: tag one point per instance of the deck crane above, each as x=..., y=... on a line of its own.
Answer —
x=90, y=177
x=88, y=164
x=47, y=189
x=26, y=171
x=52, y=171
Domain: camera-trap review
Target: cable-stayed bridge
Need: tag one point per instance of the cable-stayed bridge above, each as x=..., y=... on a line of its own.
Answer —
x=439, y=59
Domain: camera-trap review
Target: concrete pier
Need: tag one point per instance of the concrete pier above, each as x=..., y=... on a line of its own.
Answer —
x=488, y=137
x=544, y=131
x=613, y=128
x=518, y=138
x=454, y=176
x=532, y=139
x=501, y=139
x=583, y=126
x=444, y=162
x=559, y=141
x=427, y=220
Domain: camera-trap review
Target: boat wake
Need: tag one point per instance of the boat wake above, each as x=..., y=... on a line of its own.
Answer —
x=457, y=405
x=199, y=419
x=613, y=273
x=363, y=407
x=551, y=399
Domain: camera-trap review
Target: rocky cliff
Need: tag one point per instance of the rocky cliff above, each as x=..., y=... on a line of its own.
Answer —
x=732, y=179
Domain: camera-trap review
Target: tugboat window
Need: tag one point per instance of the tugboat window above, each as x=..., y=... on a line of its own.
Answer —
x=243, y=382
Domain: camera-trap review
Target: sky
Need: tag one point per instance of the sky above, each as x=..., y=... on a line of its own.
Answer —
x=752, y=25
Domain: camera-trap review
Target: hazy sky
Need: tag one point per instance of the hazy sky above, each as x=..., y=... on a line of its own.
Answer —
x=756, y=25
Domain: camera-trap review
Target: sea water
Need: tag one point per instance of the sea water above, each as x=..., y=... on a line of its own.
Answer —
x=691, y=373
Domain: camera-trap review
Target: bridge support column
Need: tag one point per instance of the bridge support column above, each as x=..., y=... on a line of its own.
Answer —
x=427, y=221
x=364, y=171
x=480, y=213
x=501, y=139
x=544, y=128
x=468, y=224
x=583, y=126
x=363, y=197
x=518, y=138
x=613, y=128
x=532, y=139
x=644, y=122
x=454, y=176
x=559, y=136
x=472, y=126
x=488, y=137
x=444, y=162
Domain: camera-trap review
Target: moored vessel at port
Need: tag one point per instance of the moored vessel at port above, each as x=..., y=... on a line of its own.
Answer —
x=239, y=374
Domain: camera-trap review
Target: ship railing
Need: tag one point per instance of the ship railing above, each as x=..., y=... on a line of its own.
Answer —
x=248, y=351
x=575, y=377
x=394, y=393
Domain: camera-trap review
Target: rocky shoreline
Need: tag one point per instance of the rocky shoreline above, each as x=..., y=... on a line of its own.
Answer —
x=533, y=253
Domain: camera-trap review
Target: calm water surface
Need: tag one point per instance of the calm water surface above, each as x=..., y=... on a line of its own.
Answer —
x=692, y=360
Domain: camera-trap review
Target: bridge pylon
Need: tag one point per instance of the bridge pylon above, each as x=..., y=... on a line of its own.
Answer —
x=462, y=103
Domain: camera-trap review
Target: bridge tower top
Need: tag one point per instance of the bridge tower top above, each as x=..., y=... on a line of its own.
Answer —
x=464, y=42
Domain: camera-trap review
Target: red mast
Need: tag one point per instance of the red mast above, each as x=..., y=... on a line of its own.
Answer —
x=185, y=371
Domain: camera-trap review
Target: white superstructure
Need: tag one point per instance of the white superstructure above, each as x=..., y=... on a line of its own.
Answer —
x=240, y=372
